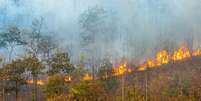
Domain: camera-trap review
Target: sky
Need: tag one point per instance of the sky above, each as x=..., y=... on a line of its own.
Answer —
x=142, y=26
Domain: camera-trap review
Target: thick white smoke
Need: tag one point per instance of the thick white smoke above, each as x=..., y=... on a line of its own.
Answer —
x=143, y=26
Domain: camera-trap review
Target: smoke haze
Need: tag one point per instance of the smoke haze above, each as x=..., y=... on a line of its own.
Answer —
x=140, y=27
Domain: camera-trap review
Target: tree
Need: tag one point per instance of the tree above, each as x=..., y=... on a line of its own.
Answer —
x=3, y=80
x=55, y=87
x=60, y=63
x=34, y=37
x=35, y=48
x=78, y=73
x=109, y=81
x=93, y=26
x=13, y=73
x=46, y=45
x=105, y=74
x=88, y=91
x=60, y=68
x=10, y=39
x=105, y=70
x=35, y=67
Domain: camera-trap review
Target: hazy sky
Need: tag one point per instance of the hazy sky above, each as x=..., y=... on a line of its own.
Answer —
x=144, y=24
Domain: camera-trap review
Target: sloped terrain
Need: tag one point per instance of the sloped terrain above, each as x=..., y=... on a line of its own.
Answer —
x=176, y=81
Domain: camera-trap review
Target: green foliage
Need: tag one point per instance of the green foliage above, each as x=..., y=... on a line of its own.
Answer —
x=46, y=44
x=105, y=70
x=174, y=86
x=55, y=86
x=133, y=95
x=160, y=85
x=12, y=37
x=34, y=65
x=88, y=91
x=109, y=81
x=15, y=70
x=185, y=88
x=60, y=63
x=78, y=74
x=111, y=84
x=13, y=75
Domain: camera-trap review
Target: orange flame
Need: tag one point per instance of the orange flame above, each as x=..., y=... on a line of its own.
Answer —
x=87, y=77
x=68, y=78
x=151, y=63
x=39, y=82
x=129, y=70
x=196, y=52
x=142, y=67
x=162, y=57
x=181, y=53
x=121, y=69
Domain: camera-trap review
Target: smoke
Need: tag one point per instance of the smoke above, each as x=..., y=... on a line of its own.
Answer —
x=141, y=26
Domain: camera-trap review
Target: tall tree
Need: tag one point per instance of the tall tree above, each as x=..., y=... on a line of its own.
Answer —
x=60, y=64
x=93, y=25
x=14, y=74
x=34, y=37
x=59, y=73
x=105, y=70
x=55, y=88
x=35, y=67
x=35, y=49
x=109, y=81
x=47, y=45
x=11, y=39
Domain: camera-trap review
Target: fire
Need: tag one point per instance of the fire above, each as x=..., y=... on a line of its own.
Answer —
x=162, y=57
x=129, y=70
x=87, y=77
x=39, y=82
x=181, y=53
x=151, y=63
x=68, y=78
x=121, y=69
x=142, y=67
x=196, y=52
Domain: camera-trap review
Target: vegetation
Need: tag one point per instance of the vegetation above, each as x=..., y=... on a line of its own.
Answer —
x=44, y=71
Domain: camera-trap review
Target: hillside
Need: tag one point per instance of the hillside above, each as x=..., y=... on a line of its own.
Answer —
x=176, y=81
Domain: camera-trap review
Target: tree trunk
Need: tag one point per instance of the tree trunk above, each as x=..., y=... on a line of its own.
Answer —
x=122, y=88
x=146, y=84
x=10, y=53
x=16, y=90
x=3, y=93
x=35, y=80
